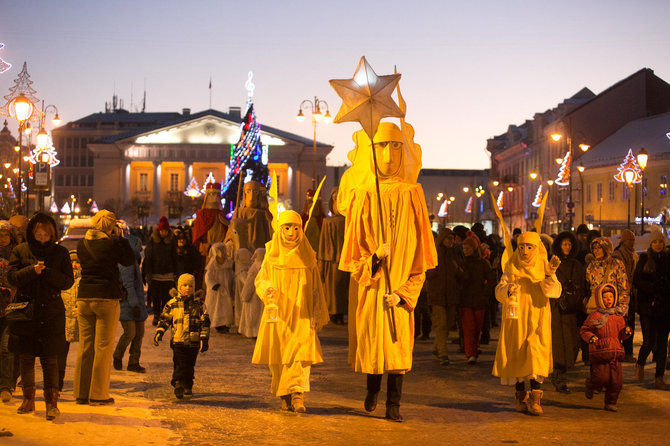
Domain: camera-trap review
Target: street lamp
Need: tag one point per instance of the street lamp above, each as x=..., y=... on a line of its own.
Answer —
x=22, y=109
x=317, y=115
x=642, y=158
x=583, y=147
x=629, y=176
x=581, y=169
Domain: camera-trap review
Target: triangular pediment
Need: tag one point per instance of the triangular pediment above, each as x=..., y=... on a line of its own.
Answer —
x=208, y=129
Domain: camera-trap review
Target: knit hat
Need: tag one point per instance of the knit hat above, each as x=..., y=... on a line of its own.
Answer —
x=472, y=242
x=103, y=220
x=186, y=279
x=582, y=229
x=460, y=231
x=5, y=226
x=163, y=224
x=656, y=234
x=627, y=234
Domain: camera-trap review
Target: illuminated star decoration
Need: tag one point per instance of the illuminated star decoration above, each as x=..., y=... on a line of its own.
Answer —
x=629, y=170
x=366, y=98
x=538, y=197
x=4, y=66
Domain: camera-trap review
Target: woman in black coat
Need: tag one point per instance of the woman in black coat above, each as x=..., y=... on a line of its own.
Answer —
x=40, y=269
x=652, y=280
x=564, y=331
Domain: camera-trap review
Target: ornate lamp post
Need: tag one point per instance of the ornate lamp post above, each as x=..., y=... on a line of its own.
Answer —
x=22, y=109
x=317, y=115
x=581, y=169
x=565, y=173
x=642, y=158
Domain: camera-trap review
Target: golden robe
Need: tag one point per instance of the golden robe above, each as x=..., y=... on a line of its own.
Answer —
x=301, y=306
x=412, y=254
x=524, y=348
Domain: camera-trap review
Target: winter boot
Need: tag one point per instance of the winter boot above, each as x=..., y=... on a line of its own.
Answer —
x=639, y=372
x=178, y=389
x=6, y=396
x=298, y=402
x=521, y=401
x=660, y=384
x=534, y=400
x=51, y=399
x=27, y=367
x=393, y=395
x=28, y=404
x=286, y=402
x=374, y=383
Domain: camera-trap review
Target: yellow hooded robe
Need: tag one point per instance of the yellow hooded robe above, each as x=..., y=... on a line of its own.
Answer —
x=524, y=348
x=372, y=349
x=290, y=345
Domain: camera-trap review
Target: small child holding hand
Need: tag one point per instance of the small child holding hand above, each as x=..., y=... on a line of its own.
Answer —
x=186, y=313
x=604, y=330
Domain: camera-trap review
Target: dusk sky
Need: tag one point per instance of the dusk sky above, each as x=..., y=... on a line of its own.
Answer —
x=469, y=69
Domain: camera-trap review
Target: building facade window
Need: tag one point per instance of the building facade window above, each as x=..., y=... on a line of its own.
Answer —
x=174, y=182
x=663, y=186
x=143, y=185
x=588, y=193
x=599, y=192
x=611, y=195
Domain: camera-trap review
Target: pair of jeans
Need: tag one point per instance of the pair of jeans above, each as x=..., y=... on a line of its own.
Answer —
x=97, y=320
x=183, y=360
x=133, y=332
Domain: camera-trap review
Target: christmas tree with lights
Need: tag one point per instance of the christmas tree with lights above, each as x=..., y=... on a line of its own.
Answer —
x=629, y=164
x=564, y=172
x=246, y=160
x=22, y=85
x=538, y=197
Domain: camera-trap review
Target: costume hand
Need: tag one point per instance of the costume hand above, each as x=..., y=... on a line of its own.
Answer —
x=216, y=287
x=593, y=340
x=271, y=294
x=158, y=338
x=383, y=251
x=627, y=330
x=136, y=313
x=512, y=289
x=204, y=345
x=554, y=263
x=392, y=299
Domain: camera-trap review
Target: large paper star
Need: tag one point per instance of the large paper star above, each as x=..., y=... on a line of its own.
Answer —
x=366, y=98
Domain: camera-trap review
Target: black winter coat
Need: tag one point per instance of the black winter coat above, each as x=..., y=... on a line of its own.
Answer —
x=442, y=283
x=45, y=334
x=653, y=288
x=160, y=255
x=572, y=275
x=99, y=256
x=478, y=279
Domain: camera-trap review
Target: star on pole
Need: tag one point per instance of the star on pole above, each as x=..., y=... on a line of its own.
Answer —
x=366, y=98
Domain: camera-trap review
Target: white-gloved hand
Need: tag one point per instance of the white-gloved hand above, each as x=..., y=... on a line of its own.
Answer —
x=383, y=251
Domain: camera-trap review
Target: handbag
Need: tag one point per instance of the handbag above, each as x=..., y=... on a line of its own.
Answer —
x=19, y=312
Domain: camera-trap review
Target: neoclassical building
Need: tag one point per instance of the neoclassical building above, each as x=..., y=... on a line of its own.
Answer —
x=140, y=164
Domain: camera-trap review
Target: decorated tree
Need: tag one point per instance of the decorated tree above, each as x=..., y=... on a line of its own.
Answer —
x=22, y=85
x=246, y=160
x=538, y=197
x=564, y=172
x=629, y=165
x=4, y=66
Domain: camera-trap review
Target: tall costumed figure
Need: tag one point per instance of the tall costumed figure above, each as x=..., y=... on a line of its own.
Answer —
x=210, y=226
x=388, y=245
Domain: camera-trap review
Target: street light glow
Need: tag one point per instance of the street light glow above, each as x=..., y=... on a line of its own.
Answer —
x=533, y=175
x=642, y=158
x=556, y=136
x=584, y=147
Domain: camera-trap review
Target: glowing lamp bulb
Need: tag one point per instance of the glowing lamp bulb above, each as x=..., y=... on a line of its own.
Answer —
x=300, y=116
x=559, y=160
x=629, y=176
x=584, y=147
x=56, y=120
x=42, y=139
x=327, y=118
x=22, y=108
x=533, y=175
x=556, y=136
x=642, y=158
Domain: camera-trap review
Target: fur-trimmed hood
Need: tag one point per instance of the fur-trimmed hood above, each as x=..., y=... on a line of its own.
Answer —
x=599, y=295
x=556, y=245
x=156, y=237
